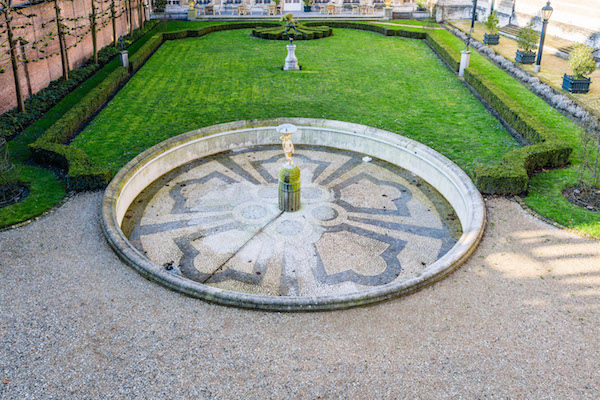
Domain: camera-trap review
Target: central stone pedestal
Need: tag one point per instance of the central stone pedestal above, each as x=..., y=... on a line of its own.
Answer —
x=387, y=13
x=291, y=62
x=289, y=188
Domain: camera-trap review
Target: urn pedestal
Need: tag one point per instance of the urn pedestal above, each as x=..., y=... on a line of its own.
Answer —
x=291, y=62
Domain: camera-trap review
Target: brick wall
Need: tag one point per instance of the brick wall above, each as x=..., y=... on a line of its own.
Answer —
x=37, y=25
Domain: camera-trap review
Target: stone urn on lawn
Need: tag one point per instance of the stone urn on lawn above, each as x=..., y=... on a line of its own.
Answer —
x=527, y=44
x=492, y=37
x=581, y=61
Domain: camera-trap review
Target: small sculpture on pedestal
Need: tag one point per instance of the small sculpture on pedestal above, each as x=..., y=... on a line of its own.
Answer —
x=124, y=54
x=291, y=62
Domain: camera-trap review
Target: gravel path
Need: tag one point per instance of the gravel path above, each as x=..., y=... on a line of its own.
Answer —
x=519, y=320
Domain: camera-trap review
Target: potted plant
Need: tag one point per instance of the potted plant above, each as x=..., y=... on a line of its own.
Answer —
x=581, y=61
x=527, y=44
x=492, y=37
x=308, y=5
x=421, y=5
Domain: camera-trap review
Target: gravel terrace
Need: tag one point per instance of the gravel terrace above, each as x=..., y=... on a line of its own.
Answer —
x=519, y=320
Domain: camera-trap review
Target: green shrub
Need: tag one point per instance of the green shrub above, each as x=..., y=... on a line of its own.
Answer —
x=492, y=23
x=527, y=39
x=446, y=53
x=139, y=57
x=305, y=32
x=545, y=151
x=581, y=60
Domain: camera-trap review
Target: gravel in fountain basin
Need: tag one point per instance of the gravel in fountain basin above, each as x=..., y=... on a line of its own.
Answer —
x=367, y=230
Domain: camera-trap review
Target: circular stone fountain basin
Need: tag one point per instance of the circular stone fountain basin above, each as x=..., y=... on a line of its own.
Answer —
x=381, y=215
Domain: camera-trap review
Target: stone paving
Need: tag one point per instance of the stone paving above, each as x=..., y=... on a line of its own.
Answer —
x=363, y=223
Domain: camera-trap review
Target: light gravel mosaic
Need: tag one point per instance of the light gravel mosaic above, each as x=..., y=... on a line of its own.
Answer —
x=363, y=223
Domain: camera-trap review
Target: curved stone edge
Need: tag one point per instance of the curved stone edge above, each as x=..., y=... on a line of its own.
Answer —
x=472, y=217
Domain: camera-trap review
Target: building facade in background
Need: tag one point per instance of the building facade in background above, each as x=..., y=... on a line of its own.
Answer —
x=575, y=20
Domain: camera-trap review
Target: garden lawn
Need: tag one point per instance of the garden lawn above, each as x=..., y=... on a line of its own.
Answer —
x=387, y=82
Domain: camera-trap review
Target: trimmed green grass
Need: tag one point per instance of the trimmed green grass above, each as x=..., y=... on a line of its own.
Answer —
x=564, y=127
x=545, y=197
x=45, y=191
x=354, y=76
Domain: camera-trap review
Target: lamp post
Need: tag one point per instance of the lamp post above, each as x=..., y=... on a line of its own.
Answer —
x=472, y=23
x=546, y=13
x=465, y=55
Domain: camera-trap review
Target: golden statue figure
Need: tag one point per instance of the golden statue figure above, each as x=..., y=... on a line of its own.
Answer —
x=288, y=147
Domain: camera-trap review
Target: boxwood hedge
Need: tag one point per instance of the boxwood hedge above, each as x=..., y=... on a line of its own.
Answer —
x=546, y=149
x=304, y=32
x=52, y=148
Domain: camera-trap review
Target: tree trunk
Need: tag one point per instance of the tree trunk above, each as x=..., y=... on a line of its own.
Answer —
x=61, y=42
x=114, y=23
x=13, y=59
x=93, y=29
x=140, y=12
x=130, y=19
x=26, y=68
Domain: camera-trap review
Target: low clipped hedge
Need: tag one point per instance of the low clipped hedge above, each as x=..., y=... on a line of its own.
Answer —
x=511, y=176
x=368, y=27
x=546, y=149
x=304, y=32
x=448, y=55
x=216, y=28
x=51, y=147
x=143, y=54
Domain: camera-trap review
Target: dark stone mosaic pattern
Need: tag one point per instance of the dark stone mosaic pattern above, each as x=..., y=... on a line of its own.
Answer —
x=363, y=223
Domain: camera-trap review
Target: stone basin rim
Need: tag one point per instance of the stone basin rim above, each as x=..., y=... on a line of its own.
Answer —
x=451, y=181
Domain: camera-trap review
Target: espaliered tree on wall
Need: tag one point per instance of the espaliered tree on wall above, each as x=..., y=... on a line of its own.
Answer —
x=32, y=33
x=11, y=42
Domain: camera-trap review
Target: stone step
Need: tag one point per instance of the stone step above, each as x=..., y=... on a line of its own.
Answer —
x=402, y=15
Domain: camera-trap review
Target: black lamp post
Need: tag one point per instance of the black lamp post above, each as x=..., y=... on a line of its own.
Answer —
x=472, y=23
x=465, y=55
x=546, y=13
